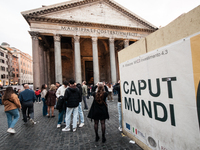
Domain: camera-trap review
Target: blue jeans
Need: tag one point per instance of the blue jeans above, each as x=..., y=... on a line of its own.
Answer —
x=1, y=101
x=44, y=107
x=80, y=112
x=12, y=113
x=68, y=117
x=85, y=103
x=120, y=114
x=60, y=116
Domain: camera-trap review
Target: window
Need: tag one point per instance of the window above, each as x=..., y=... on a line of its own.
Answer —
x=13, y=75
x=3, y=76
x=16, y=69
x=7, y=76
x=13, y=69
x=3, y=68
x=22, y=70
x=6, y=56
x=2, y=54
x=17, y=75
x=2, y=61
x=7, y=69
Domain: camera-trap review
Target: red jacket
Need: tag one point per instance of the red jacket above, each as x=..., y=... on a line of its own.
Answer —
x=37, y=92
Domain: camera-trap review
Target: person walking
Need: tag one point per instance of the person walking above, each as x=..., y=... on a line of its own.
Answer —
x=72, y=96
x=61, y=92
x=99, y=109
x=27, y=98
x=80, y=111
x=51, y=100
x=38, y=95
x=110, y=92
x=43, y=94
x=11, y=107
x=84, y=95
x=117, y=88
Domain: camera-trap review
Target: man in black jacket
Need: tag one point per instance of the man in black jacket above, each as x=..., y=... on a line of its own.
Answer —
x=117, y=88
x=73, y=97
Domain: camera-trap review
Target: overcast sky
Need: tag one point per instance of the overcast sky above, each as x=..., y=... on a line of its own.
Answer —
x=14, y=29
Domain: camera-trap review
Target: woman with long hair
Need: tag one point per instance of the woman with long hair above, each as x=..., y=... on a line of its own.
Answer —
x=110, y=92
x=99, y=109
x=51, y=100
x=43, y=94
x=11, y=105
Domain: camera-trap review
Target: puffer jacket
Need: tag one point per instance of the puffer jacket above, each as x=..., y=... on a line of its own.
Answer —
x=72, y=96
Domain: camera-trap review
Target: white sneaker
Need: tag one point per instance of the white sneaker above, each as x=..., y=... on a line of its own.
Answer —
x=10, y=130
x=74, y=129
x=120, y=129
x=66, y=129
x=81, y=125
x=58, y=125
x=32, y=121
x=113, y=100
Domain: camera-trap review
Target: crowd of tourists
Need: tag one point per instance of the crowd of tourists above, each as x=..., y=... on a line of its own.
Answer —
x=67, y=99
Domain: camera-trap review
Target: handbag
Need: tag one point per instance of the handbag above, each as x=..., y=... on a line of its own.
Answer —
x=13, y=103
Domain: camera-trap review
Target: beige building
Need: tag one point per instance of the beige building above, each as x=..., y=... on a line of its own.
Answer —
x=25, y=73
x=4, y=80
x=80, y=39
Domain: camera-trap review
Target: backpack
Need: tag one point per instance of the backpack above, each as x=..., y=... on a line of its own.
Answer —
x=60, y=103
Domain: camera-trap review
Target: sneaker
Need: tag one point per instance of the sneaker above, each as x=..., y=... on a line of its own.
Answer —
x=81, y=125
x=120, y=129
x=58, y=125
x=10, y=130
x=85, y=110
x=74, y=129
x=66, y=129
x=113, y=100
x=32, y=121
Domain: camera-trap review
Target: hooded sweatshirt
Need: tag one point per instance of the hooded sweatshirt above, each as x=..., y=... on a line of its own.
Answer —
x=72, y=96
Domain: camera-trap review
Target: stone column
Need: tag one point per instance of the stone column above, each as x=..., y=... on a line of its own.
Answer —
x=41, y=57
x=112, y=61
x=77, y=58
x=48, y=69
x=126, y=43
x=45, y=68
x=36, y=60
x=95, y=59
x=58, y=60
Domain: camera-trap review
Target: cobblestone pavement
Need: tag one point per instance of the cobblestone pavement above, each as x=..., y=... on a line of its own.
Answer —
x=45, y=136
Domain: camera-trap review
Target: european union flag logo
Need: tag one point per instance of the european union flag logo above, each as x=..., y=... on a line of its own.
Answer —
x=128, y=126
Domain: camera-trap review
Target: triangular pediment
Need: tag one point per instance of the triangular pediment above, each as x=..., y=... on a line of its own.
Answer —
x=92, y=11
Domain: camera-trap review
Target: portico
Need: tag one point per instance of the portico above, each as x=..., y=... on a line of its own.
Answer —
x=67, y=48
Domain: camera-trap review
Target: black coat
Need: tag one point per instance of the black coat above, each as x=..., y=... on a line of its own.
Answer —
x=72, y=96
x=117, y=88
x=99, y=111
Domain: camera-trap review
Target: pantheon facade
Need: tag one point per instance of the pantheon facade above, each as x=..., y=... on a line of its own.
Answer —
x=80, y=39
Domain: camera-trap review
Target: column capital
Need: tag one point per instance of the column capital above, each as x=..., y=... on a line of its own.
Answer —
x=112, y=40
x=57, y=37
x=34, y=35
x=94, y=39
x=126, y=42
x=76, y=38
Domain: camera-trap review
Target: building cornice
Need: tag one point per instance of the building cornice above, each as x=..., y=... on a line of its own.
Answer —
x=74, y=3
x=88, y=24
